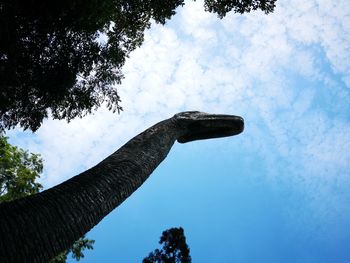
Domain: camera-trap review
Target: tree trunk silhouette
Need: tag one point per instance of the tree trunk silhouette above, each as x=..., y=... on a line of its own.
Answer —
x=38, y=227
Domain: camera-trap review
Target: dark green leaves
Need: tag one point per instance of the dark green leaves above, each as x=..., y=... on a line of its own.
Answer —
x=175, y=248
x=52, y=62
x=222, y=7
x=19, y=171
x=77, y=250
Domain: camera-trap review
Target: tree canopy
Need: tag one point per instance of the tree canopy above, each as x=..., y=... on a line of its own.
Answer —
x=19, y=171
x=174, y=250
x=222, y=7
x=64, y=57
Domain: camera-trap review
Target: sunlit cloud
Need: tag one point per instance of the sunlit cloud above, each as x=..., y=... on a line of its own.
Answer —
x=245, y=65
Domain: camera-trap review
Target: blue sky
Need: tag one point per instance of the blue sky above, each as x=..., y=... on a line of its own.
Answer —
x=279, y=192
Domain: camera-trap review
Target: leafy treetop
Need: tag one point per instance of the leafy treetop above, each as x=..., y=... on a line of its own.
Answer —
x=18, y=172
x=175, y=248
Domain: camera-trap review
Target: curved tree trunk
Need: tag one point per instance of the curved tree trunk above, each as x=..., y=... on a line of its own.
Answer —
x=38, y=227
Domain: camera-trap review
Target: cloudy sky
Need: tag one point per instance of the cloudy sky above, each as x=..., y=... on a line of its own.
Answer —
x=279, y=192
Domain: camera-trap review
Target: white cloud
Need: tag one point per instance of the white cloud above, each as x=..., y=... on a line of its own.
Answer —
x=324, y=23
x=240, y=65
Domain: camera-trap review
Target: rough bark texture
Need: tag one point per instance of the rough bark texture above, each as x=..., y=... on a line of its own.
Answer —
x=38, y=227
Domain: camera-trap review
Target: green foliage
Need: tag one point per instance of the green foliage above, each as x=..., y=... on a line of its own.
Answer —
x=222, y=7
x=76, y=250
x=19, y=171
x=65, y=57
x=79, y=246
x=52, y=57
x=175, y=248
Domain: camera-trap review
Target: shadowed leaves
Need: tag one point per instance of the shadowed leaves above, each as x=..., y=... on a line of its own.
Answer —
x=64, y=57
x=174, y=250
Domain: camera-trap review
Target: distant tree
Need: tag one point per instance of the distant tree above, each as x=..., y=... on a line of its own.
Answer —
x=64, y=57
x=175, y=248
x=19, y=171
